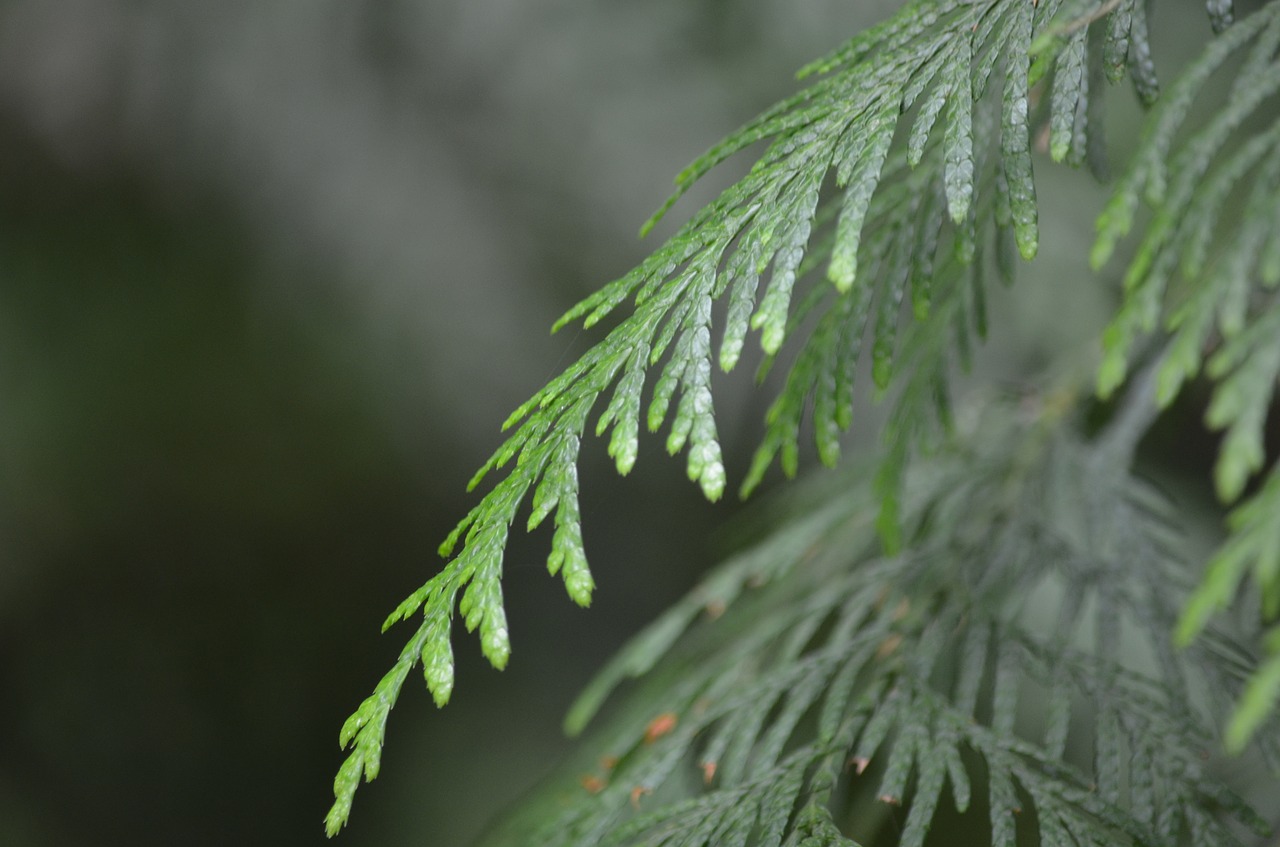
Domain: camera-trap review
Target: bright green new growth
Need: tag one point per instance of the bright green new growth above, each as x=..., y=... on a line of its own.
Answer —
x=905, y=170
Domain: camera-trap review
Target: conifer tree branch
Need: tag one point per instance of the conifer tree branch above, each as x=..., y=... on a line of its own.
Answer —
x=1204, y=277
x=889, y=660
x=926, y=124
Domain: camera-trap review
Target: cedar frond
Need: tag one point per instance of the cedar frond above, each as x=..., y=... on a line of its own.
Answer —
x=853, y=672
x=905, y=173
x=1205, y=273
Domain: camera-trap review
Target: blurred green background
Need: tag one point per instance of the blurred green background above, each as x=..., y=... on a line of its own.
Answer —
x=271, y=275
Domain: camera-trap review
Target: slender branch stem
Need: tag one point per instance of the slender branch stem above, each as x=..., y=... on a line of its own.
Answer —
x=1137, y=411
x=1083, y=21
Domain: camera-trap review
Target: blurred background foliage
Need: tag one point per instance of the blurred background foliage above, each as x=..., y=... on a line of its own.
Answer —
x=271, y=275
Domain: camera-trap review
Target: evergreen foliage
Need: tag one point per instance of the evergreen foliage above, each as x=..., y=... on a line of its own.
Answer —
x=1031, y=552
x=894, y=619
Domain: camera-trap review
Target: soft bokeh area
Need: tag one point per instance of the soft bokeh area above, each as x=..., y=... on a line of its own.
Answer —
x=271, y=275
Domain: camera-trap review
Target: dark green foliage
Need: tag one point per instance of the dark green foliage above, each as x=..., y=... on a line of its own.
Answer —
x=840, y=670
x=893, y=625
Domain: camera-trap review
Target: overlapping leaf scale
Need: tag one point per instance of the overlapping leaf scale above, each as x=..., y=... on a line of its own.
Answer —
x=821, y=665
x=1015, y=136
x=1126, y=48
x=1070, y=88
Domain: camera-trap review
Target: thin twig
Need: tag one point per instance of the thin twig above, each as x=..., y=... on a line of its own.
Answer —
x=1135, y=414
x=1083, y=21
